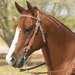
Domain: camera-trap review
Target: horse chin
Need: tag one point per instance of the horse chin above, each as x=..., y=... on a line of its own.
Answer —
x=19, y=64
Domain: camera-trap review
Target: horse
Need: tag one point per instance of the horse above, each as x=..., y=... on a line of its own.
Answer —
x=37, y=30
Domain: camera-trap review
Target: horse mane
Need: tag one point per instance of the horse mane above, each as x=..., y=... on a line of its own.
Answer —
x=58, y=23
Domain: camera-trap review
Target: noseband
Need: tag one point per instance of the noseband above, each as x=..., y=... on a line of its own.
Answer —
x=37, y=27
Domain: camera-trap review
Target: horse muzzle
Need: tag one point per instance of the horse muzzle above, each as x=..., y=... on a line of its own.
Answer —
x=17, y=63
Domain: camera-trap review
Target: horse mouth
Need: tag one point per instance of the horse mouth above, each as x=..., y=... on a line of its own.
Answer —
x=18, y=66
x=20, y=63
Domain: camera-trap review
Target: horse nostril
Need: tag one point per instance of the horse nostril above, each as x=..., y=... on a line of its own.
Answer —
x=13, y=60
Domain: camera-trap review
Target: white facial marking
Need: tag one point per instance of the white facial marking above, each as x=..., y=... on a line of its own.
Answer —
x=13, y=46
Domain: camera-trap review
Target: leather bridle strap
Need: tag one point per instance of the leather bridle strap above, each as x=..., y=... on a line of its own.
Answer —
x=41, y=29
x=38, y=26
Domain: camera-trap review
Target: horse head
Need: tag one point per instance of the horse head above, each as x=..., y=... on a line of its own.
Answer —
x=28, y=37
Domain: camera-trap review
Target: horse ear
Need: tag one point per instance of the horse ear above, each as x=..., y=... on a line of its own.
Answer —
x=29, y=5
x=19, y=8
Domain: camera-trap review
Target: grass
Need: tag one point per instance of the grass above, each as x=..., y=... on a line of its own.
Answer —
x=8, y=70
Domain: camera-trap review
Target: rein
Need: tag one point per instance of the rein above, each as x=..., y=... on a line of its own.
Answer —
x=33, y=67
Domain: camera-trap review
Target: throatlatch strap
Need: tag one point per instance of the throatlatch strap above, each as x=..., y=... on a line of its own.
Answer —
x=41, y=29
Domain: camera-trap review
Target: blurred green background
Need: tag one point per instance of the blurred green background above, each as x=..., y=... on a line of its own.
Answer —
x=63, y=10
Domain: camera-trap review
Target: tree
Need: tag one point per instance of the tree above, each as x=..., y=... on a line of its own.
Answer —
x=5, y=32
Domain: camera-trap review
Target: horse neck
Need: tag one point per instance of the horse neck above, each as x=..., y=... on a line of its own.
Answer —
x=57, y=36
x=51, y=25
x=51, y=22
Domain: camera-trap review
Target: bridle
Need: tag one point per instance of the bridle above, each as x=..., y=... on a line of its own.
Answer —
x=30, y=41
x=37, y=27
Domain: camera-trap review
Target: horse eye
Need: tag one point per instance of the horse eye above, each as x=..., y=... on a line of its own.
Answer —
x=28, y=30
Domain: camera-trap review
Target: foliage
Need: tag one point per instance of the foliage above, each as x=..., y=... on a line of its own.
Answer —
x=5, y=31
x=8, y=19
